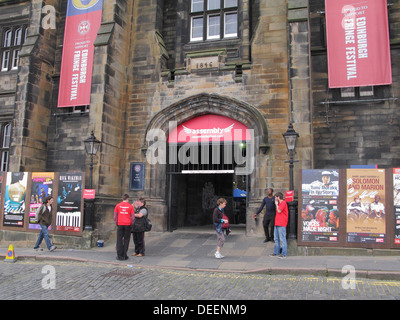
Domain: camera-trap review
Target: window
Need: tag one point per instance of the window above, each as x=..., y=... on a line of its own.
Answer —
x=13, y=38
x=5, y=131
x=213, y=19
x=353, y=92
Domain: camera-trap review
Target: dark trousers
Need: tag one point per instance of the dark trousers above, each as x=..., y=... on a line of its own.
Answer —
x=138, y=240
x=269, y=221
x=123, y=237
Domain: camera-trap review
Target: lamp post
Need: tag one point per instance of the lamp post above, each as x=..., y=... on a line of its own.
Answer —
x=92, y=145
x=290, y=137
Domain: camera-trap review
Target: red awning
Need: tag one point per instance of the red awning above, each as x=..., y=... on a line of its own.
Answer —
x=210, y=127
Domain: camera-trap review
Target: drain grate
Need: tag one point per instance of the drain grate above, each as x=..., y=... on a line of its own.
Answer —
x=122, y=273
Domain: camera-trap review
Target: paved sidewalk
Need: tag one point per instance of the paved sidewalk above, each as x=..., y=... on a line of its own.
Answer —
x=194, y=250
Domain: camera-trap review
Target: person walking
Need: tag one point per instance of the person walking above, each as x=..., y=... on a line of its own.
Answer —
x=138, y=227
x=269, y=216
x=45, y=217
x=218, y=221
x=281, y=220
x=124, y=217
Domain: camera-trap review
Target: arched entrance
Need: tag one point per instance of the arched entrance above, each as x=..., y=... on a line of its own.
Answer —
x=209, y=157
x=168, y=185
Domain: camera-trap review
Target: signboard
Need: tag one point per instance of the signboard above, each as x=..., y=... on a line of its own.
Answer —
x=41, y=187
x=137, y=177
x=210, y=128
x=320, y=211
x=358, y=43
x=81, y=26
x=366, y=206
x=89, y=193
x=69, y=202
x=15, y=199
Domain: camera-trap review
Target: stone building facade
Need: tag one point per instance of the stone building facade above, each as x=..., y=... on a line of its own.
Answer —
x=149, y=70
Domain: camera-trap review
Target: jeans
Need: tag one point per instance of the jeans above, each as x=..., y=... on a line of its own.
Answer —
x=280, y=239
x=44, y=233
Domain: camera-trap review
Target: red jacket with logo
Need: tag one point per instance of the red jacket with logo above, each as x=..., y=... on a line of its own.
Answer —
x=281, y=219
x=124, y=214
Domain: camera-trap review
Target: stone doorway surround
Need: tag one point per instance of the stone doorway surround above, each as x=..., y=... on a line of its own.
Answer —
x=189, y=108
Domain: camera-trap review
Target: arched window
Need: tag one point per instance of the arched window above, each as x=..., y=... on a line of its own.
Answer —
x=12, y=41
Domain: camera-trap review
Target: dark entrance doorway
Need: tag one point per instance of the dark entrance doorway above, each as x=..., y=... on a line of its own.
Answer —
x=204, y=156
x=193, y=198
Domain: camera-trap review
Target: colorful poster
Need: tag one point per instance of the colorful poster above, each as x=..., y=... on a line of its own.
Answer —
x=69, y=202
x=319, y=212
x=14, y=200
x=358, y=43
x=81, y=26
x=396, y=199
x=366, y=205
x=42, y=186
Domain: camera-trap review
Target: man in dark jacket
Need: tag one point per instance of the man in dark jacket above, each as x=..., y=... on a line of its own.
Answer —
x=138, y=227
x=45, y=218
x=269, y=216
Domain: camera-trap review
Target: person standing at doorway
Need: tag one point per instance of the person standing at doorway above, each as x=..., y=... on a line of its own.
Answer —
x=44, y=218
x=138, y=227
x=281, y=220
x=218, y=221
x=269, y=216
x=124, y=217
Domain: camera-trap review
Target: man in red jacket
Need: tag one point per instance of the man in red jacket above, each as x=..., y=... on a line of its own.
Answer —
x=124, y=217
x=281, y=221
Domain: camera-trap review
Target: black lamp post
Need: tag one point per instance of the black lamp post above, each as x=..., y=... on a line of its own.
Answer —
x=92, y=145
x=290, y=137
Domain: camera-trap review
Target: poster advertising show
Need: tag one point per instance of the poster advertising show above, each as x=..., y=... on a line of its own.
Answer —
x=319, y=211
x=69, y=200
x=366, y=205
x=396, y=199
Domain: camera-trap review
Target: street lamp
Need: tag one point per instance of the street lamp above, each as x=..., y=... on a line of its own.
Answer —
x=92, y=147
x=290, y=137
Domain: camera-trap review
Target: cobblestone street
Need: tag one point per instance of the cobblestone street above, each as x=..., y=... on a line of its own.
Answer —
x=86, y=281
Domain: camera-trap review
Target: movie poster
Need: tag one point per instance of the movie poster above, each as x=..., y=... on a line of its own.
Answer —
x=396, y=199
x=42, y=186
x=319, y=211
x=366, y=205
x=14, y=200
x=69, y=200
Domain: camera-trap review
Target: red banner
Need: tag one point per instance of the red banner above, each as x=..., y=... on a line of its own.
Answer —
x=81, y=26
x=358, y=43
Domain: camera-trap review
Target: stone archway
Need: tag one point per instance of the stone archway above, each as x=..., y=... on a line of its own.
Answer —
x=189, y=108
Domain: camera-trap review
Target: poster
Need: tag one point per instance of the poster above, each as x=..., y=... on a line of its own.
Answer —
x=396, y=199
x=41, y=187
x=319, y=211
x=14, y=199
x=365, y=206
x=82, y=24
x=358, y=43
x=69, y=202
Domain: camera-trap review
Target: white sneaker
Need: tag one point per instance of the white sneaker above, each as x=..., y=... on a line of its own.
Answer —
x=218, y=255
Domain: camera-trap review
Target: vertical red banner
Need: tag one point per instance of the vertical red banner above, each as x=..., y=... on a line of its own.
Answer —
x=358, y=43
x=81, y=26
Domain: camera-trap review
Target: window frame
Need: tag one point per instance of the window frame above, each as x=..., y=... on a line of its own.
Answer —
x=13, y=38
x=5, y=136
x=206, y=14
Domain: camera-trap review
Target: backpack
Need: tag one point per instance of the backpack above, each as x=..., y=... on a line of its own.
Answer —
x=38, y=212
x=147, y=224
